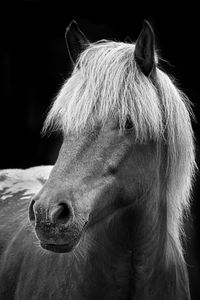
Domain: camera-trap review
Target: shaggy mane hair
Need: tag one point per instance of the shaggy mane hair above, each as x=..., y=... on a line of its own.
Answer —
x=107, y=82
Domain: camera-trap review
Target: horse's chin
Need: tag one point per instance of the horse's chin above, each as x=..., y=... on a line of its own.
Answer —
x=58, y=248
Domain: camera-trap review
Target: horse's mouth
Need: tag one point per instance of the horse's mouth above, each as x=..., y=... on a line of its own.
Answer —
x=58, y=248
x=64, y=247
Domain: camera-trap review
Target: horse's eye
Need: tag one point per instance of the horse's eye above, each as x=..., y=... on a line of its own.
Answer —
x=129, y=124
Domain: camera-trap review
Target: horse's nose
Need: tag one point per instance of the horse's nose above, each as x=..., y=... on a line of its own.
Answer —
x=61, y=213
x=31, y=211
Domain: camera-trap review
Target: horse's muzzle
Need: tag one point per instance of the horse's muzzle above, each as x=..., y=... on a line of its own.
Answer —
x=56, y=228
x=58, y=239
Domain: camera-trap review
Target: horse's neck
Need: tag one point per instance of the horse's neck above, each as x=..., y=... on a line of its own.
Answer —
x=157, y=278
x=105, y=267
x=127, y=261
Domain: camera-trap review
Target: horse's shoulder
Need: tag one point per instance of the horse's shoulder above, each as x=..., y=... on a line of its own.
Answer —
x=22, y=183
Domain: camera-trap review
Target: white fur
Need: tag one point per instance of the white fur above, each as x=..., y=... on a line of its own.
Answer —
x=107, y=82
x=26, y=181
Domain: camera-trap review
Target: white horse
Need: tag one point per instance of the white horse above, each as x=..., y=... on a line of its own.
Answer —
x=108, y=222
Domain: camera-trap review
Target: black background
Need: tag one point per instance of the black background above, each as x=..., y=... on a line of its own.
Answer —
x=34, y=64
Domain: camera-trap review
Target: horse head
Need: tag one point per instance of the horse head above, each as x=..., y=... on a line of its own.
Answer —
x=102, y=170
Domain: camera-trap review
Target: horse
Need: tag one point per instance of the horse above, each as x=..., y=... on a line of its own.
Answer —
x=107, y=220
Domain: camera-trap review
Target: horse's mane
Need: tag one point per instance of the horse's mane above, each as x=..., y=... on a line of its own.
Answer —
x=106, y=81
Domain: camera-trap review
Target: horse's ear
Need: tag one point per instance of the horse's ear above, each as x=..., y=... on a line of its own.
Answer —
x=145, y=49
x=76, y=41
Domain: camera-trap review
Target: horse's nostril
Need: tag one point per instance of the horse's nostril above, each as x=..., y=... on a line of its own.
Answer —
x=31, y=211
x=61, y=214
